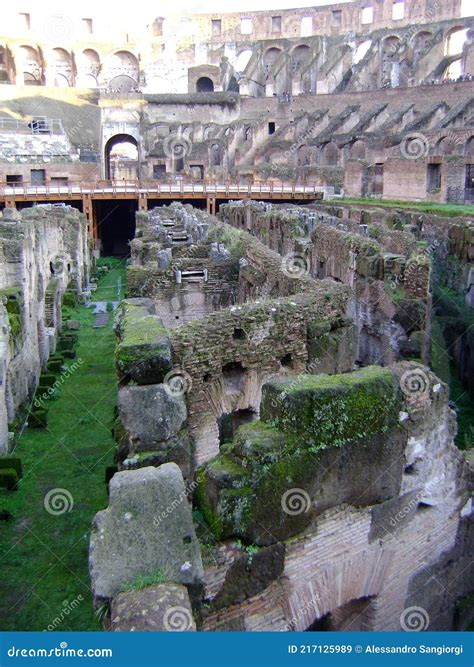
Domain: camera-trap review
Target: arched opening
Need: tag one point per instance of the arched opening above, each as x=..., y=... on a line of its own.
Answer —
x=123, y=71
x=304, y=156
x=469, y=150
x=300, y=57
x=215, y=158
x=229, y=423
x=204, y=85
x=88, y=69
x=4, y=73
x=123, y=84
x=354, y=616
x=421, y=41
x=62, y=68
x=269, y=61
x=329, y=155
x=446, y=146
x=357, y=151
x=390, y=74
x=455, y=41
x=30, y=65
x=121, y=158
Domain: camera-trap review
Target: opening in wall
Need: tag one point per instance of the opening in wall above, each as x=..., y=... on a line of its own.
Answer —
x=367, y=15
x=14, y=179
x=271, y=127
x=336, y=18
x=398, y=10
x=245, y=26
x=433, y=177
x=276, y=23
x=230, y=422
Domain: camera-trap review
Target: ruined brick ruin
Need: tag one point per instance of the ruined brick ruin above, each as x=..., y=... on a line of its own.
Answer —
x=321, y=466
x=287, y=196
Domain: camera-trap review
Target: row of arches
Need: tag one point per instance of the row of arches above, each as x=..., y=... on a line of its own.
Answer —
x=63, y=68
x=330, y=154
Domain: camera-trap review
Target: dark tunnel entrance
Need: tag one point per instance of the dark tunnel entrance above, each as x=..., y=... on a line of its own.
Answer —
x=116, y=226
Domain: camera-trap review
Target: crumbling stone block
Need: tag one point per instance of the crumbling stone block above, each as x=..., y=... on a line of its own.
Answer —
x=146, y=529
x=159, y=608
x=144, y=351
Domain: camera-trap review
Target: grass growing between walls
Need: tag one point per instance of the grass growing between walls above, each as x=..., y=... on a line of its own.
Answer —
x=447, y=210
x=44, y=581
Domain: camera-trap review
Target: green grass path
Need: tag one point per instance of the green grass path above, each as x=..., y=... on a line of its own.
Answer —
x=43, y=557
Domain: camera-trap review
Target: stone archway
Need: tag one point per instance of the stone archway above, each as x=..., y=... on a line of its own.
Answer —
x=124, y=148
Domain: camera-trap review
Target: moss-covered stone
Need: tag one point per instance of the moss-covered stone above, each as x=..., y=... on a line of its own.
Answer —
x=143, y=352
x=332, y=410
x=38, y=418
x=47, y=379
x=333, y=439
x=13, y=300
x=13, y=462
x=8, y=479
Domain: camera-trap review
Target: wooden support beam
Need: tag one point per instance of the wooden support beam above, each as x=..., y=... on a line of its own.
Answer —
x=142, y=202
x=211, y=205
x=88, y=210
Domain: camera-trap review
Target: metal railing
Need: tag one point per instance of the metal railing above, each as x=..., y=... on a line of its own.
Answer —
x=183, y=189
x=38, y=125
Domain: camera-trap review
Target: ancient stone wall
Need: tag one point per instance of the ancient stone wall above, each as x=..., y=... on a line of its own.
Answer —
x=43, y=252
x=279, y=323
x=372, y=542
x=391, y=291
